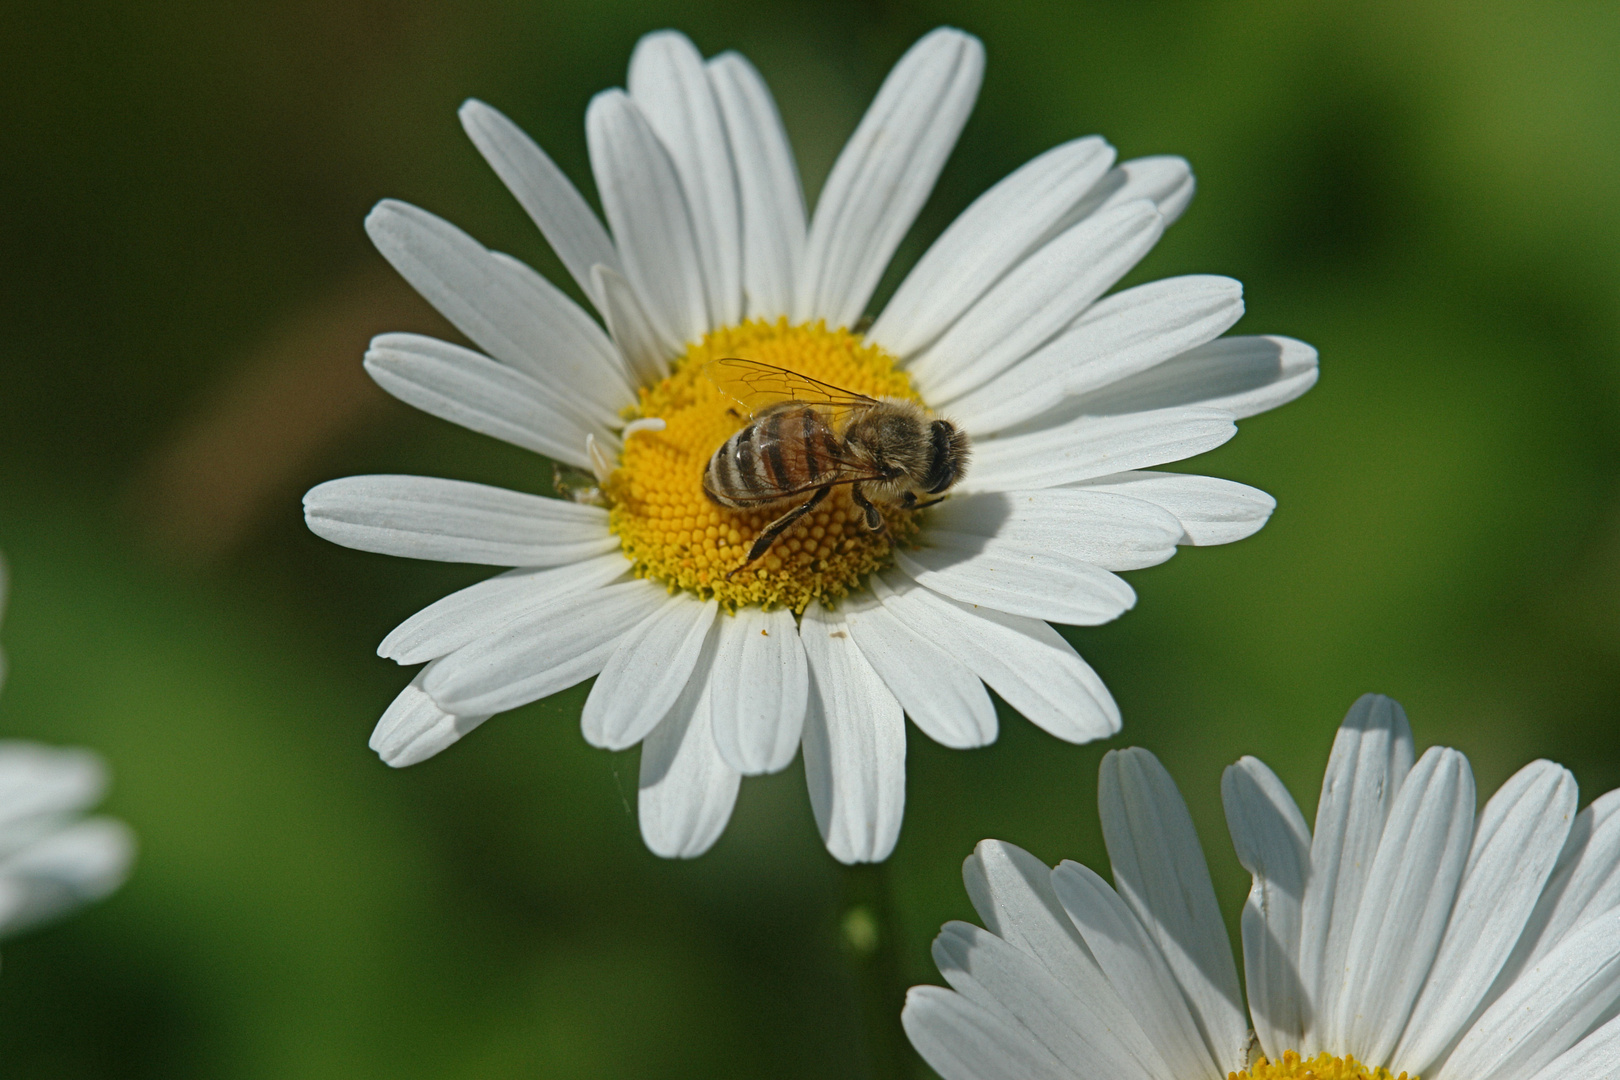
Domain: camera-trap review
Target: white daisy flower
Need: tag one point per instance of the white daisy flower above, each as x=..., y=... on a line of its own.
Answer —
x=1403, y=938
x=720, y=669
x=52, y=859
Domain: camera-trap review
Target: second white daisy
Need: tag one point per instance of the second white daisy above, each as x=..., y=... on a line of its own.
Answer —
x=1401, y=937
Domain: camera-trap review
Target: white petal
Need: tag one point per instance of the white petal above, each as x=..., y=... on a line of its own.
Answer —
x=1211, y=510
x=425, y=517
x=995, y=976
x=884, y=174
x=1024, y=660
x=1159, y=870
x=768, y=191
x=962, y=1041
x=854, y=745
x=602, y=461
x=1017, y=578
x=938, y=692
x=1013, y=893
x=1165, y=181
x=449, y=623
x=641, y=195
x=647, y=672
x=1116, y=532
x=1119, y=337
x=1409, y=893
x=1274, y=845
x=1242, y=375
x=72, y=866
x=1372, y=754
x=1518, y=839
x=1585, y=884
x=552, y=201
x=669, y=85
x=1596, y=1057
x=541, y=293
x=509, y=311
x=543, y=651
x=480, y=394
x=38, y=781
x=1036, y=301
x=1546, y=1011
x=990, y=237
x=761, y=686
x=647, y=350
x=646, y=423
x=413, y=728
x=1137, y=969
x=1094, y=446
x=687, y=789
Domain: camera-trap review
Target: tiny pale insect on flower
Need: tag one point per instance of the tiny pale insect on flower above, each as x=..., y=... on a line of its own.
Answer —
x=734, y=608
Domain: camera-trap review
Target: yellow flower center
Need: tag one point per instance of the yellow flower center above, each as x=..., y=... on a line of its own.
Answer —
x=676, y=535
x=1320, y=1067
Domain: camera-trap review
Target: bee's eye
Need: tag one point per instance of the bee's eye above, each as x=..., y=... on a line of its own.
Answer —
x=941, y=467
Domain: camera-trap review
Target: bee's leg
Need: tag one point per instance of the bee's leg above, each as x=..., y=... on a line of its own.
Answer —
x=781, y=525
x=874, y=520
x=909, y=501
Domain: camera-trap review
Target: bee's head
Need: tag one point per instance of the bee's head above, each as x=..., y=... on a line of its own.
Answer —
x=948, y=457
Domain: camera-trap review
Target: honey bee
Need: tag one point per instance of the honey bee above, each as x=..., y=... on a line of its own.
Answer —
x=805, y=437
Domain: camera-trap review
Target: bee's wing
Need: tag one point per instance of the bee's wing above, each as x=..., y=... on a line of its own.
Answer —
x=756, y=387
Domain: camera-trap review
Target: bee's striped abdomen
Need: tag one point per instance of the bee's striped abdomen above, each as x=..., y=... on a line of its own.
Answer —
x=785, y=451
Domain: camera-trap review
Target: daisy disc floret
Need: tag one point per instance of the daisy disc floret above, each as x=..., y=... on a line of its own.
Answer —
x=1008, y=327
x=1405, y=936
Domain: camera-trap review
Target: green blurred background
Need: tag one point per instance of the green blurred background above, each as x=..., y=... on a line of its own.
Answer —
x=1429, y=193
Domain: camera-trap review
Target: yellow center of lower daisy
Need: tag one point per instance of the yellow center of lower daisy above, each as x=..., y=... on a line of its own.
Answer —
x=1320, y=1067
x=677, y=535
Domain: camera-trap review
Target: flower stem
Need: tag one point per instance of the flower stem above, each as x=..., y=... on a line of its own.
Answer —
x=870, y=935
